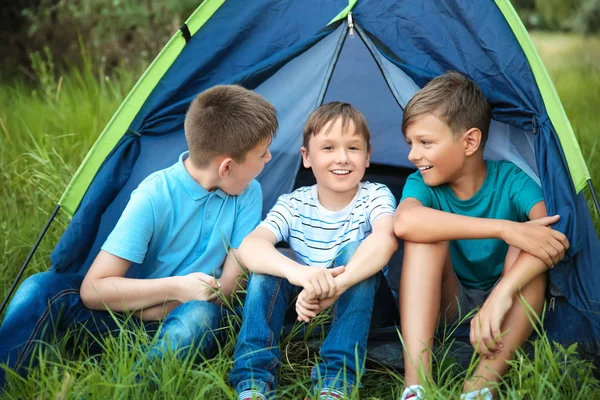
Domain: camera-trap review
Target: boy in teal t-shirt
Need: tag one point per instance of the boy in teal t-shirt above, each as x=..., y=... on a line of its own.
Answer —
x=468, y=242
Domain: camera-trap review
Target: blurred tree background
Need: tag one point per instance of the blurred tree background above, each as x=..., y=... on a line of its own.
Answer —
x=113, y=33
x=125, y=33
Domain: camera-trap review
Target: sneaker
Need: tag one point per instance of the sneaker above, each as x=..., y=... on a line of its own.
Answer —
x=331, y=394
x=251, y=395
x=482, y=394
x=413, y=392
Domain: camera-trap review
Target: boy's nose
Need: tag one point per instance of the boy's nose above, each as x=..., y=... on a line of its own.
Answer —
x=268, y=157
x=413, y=156
x=342, y=157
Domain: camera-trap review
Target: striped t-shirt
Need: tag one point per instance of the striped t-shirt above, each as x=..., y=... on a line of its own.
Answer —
x=316, y=234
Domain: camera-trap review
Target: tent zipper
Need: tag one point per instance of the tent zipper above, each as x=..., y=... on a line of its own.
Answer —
x=350, y=25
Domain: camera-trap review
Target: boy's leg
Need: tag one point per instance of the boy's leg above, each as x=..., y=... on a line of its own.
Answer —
x=44, y=304
x=517, y=327
x=344, y=349
x=257, y=352
x=428, y=285
x=192, y=326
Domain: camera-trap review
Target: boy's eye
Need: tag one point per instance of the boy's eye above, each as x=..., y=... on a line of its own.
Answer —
x=425, y=142
x=327, y=147
x=353, y=148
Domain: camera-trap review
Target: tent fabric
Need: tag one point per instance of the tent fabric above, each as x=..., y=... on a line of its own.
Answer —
x=118, y=125
x=286, y=52
x=556, y=112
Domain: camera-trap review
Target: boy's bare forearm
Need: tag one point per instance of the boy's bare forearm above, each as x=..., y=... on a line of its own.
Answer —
x=231, y=277
x=525, y=269
x=371, y=256
x=425, y=225
x=127, y=294
x=260, y=256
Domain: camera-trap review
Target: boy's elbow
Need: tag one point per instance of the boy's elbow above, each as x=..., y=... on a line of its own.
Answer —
x=88, y=296
x=244, y=252
x=400, y=228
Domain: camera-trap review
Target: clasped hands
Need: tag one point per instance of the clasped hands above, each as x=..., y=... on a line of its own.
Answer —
x=320, y=290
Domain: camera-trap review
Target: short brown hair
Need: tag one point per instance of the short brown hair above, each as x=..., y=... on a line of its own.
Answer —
x=456, y=100
x=330, y=112
x=228, y=120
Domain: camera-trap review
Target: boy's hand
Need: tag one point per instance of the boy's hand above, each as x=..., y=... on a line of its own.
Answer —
x=538, y=239
x=197, y=286
x=317, y=281
x=308, y=308
x=485, y=333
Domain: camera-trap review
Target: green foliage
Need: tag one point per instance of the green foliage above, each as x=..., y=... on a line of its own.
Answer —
x=118, y=32
x=581, y=16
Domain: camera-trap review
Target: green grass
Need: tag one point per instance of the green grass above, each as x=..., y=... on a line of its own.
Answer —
x=45, y=131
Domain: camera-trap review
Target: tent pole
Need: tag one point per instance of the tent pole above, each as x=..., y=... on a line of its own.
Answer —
x=29, y=257
x=594, y=196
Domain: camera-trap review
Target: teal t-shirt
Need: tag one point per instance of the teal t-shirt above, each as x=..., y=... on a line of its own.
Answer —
x=507, y=193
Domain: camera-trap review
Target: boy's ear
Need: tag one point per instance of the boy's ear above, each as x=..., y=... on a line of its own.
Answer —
x=225, y=167
x=472, y=140
x=305, y=160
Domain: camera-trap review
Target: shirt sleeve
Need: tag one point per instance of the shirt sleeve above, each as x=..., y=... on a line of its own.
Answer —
x=381, y=202
x=131, y=235
x=278, y=220
x=247, y=214
x=525, y=193
x=416, y=188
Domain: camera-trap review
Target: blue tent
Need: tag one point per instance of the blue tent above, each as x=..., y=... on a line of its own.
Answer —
x=374, y=54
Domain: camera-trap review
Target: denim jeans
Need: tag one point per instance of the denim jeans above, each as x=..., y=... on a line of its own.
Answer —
x=47, y=304
x=257, y=353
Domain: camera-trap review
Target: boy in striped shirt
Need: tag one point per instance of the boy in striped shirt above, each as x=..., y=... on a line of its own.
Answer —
x=341, y=233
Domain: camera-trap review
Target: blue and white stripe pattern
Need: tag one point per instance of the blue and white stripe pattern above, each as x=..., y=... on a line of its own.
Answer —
x=316, y=234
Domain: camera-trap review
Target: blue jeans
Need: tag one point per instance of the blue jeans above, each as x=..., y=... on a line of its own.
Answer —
x=47, y=304
x=257, y=353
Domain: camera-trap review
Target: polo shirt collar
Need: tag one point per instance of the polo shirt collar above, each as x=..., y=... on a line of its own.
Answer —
x=193, y=188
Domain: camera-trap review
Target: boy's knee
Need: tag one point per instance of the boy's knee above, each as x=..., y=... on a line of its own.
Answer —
x=41, y=288
x=192, y=320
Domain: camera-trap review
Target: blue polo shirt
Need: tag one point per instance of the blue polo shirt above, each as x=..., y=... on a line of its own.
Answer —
x=173, y=226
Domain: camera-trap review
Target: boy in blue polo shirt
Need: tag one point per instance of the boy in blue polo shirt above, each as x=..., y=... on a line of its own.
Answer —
x=166, y=257
x=467, y=243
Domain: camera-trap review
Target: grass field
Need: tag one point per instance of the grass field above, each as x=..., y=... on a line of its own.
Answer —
x=45, y=131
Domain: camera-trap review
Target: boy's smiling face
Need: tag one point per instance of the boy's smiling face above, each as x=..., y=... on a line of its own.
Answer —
x=435, y=150
x=338, y=157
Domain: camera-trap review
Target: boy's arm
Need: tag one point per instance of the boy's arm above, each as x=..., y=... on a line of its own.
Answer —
x=372, y=254
x=370, y=257
x=487, y=323
x=416, y=223
x=105, y=286
x=230, y=282
x=259, y=255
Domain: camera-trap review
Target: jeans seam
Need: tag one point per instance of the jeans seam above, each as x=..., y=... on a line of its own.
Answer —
x=39, y=323
x=269, y=317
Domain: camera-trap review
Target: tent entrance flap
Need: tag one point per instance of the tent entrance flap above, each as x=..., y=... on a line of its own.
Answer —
x=296, y=90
